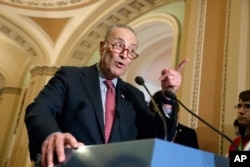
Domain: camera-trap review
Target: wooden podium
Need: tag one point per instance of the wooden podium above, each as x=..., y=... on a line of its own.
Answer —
x=141, y=153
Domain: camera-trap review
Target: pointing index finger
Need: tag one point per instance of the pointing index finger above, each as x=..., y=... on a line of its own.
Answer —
x=181, y=65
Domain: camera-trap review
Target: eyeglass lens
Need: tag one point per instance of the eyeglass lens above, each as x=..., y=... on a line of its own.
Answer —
x=118, y=49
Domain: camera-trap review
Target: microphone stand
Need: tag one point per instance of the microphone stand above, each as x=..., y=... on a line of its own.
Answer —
x=173, y=97
x=140, y=81
x=160, y=114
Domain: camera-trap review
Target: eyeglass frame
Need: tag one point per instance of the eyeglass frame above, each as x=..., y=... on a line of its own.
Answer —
x=129, y=51
x=245, y=106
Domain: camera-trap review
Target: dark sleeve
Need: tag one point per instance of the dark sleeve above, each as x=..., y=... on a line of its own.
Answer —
x=149, y=122
x=41, y=115
x=186, y=136
x=171, y=122
x=194, y=141
x=144, y=116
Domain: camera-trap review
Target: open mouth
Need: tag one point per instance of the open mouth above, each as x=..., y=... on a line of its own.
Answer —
x=120, y=64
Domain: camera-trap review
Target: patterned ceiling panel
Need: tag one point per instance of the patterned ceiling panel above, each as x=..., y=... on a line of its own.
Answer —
x=123, y=15
x=88, y=45
x=18, y=39
x=49, y=4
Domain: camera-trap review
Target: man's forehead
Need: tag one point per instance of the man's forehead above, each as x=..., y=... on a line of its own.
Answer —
x=123, y=35
x=120, y=30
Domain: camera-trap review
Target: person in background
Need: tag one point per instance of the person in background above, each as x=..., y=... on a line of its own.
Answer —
x=181, y=134
x=185, y=135
x=239, y=129
x=93, y=105
x=243, y=116
x=236, y=125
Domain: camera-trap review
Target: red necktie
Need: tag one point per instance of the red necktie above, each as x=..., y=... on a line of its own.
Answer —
x=109, y=108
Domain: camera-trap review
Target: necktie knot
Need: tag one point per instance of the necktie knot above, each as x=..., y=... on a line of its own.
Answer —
x=109, y=83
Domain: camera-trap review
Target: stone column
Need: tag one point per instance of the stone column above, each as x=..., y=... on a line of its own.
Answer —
x=9, y=97
x=19, y=153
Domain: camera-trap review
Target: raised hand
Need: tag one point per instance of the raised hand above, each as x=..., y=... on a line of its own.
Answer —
x=171, y=79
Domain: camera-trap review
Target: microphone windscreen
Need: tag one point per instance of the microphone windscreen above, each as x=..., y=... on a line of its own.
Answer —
x=170, y=95
x=139, y=80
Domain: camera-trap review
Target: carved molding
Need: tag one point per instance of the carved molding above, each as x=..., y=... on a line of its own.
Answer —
x=48, y=4
x=198, y=61
x=224, y=81
x=43, y=70
x=18, y=39
x=88, y=45
x=10, y=90
x=124, y=14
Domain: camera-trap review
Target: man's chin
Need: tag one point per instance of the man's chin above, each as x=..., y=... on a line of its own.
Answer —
x=119, y=73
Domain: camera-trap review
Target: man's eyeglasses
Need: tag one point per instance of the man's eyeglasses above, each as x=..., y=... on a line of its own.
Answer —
x=245, y=106
x=117, y=48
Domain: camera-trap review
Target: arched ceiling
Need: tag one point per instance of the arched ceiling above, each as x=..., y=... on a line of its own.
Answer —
x=66, y=32
x=8, y=49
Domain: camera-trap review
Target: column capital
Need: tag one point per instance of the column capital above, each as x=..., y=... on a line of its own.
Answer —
x=43, y=70
x=10, y=90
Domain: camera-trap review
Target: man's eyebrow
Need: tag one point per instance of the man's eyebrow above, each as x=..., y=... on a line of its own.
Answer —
x=122, y=40
x=119, y=39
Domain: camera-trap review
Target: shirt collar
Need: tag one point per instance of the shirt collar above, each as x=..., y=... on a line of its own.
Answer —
x=102, y=77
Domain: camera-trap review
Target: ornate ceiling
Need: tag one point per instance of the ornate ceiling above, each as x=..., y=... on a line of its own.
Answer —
x=49, y=4
x=61, y=31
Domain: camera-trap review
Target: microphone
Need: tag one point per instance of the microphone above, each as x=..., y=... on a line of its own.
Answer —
x=140, y=81
x=172, y=96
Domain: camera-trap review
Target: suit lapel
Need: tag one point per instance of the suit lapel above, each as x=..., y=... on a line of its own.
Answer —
x=90, y=80
x=121, y=107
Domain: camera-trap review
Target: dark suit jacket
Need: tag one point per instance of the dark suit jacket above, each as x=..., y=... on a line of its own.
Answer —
x=180, y=134
x=186, y=136
x=71, y=102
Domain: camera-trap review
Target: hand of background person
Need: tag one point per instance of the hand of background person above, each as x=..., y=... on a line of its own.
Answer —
x=54, y=145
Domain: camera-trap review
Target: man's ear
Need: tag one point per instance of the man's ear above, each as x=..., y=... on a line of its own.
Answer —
x=101, y=47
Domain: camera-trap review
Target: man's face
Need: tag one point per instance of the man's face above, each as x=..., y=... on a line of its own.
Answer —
x=244, y=114
x=115, y=64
